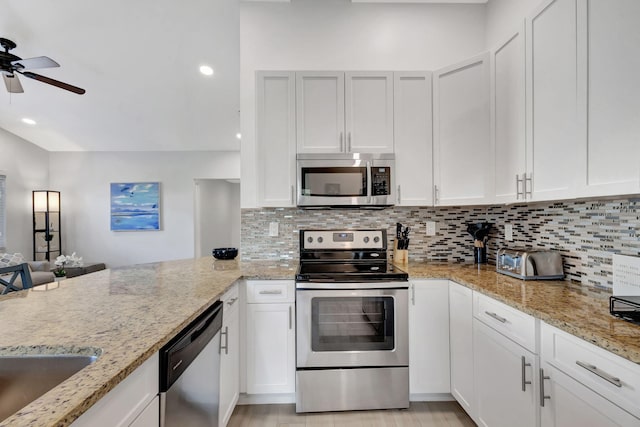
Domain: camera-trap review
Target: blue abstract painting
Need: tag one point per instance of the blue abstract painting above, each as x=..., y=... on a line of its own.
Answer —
x=135, y=206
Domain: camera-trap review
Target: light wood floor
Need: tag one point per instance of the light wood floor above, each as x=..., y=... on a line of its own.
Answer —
x=420, y=414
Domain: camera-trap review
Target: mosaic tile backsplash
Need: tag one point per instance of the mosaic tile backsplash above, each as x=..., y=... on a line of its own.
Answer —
x=586, y=232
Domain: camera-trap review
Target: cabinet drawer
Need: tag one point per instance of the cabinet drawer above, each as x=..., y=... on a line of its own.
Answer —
x=270, y=291
x=231, y=301
x=510, y=322
x=609, y=375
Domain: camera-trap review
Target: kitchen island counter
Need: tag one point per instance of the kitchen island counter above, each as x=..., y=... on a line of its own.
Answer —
x=128, y=313
x=578, y=310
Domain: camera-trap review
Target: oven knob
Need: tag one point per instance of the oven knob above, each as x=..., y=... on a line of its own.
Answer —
x=320, y=239
x=376, y=239
x=310, y=239
x=366, y=239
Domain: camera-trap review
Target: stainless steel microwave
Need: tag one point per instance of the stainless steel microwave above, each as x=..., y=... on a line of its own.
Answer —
x=345, y=180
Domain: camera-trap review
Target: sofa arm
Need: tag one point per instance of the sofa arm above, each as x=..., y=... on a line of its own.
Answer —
x=39, y=265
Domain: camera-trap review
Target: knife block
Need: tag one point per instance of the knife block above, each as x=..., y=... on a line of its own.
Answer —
x=400, y=256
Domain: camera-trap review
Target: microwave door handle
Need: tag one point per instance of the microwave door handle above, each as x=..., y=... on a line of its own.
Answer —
x=369, y=183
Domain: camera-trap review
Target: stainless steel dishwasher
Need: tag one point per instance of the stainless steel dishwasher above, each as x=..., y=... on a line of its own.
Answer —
x=189, y=373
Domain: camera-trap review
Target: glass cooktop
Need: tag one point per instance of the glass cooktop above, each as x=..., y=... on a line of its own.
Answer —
x=350, y=272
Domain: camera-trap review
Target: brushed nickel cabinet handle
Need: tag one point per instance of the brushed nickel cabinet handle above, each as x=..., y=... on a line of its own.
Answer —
x=413, y=294
x=232, y=301
x=342, y=150
x=399, y=199
x=271, y=292
x=518, y=182
x=542, y=395
x=524, y=373
x=495, y=316
x=349, y=142
x=602, y=374
x=290, y=318
x=529, y=192
x=224, y=347
x=436, y=194
x=293, y=194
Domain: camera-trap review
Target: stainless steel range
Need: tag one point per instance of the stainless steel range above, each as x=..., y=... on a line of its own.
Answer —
x=352, y=349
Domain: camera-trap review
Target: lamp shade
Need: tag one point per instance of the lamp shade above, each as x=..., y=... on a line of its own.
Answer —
x=46, y=201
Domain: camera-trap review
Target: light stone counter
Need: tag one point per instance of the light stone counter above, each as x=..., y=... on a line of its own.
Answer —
x=577, y=310
x=129, y=313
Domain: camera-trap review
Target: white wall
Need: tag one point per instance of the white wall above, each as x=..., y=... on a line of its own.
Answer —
x=27, y=168
x=339, y=35
x=219, y=215
x=84, y=177
x=505, y=16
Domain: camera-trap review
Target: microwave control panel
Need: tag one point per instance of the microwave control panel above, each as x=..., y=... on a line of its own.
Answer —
x=380, y=181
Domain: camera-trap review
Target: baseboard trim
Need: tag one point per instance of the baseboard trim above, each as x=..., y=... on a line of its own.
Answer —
x=431, y=397
x=266, y=399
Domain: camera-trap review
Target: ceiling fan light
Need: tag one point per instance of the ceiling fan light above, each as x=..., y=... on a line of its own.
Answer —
x=206, y=70
x=28, y=121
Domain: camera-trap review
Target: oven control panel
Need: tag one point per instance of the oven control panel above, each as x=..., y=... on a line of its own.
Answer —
x=343, y=239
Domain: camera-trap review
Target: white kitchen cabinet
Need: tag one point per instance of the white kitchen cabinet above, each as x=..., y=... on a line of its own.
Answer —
x=369, y=111
x=611, y=150
x=320, y=112
x=553, y=101
x=275, y=138
x=429, y=339
x=508, y=114
x=413, y=138
x=461, y=346
x=229, y=355
x=569, y=403
x=270, y=342
x=338, y=112
x=150, y=417
x=505, y=377
x=128, y=400
x=463, y=159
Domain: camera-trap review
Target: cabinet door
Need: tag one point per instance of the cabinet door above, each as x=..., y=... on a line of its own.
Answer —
x=271, y=361
x=429, y=337
x=461, y=346
x=320, y=112
x=276, y=148
x=569, y=403
x=506, y=390
x=508, y=117
x=553, y=104
x=150, y=417
x=413, y=138
x=612, y=145
x=463, y=160
x=369, y=112
x=229, y=359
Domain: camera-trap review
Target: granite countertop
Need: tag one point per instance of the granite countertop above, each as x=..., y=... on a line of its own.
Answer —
x=581, y=311
x=129, y=313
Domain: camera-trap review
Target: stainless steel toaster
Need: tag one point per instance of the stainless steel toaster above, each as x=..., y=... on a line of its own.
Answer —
x=530, y=264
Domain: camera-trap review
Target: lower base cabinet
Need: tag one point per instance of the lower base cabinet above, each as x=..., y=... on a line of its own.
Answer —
x=150, y=417
x=428, y=338
x=568, y=403
x=229, y=355
x=461, y=346
x=504, y=376
x=271, y=337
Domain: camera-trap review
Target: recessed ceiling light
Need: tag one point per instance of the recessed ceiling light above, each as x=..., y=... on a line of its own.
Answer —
x=28, y=121
x=206, y=70
x=238, y=135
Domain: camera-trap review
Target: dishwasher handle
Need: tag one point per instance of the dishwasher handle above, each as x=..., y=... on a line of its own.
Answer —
x=178, y=354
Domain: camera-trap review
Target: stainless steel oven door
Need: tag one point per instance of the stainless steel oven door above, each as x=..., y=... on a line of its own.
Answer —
x=352, y=328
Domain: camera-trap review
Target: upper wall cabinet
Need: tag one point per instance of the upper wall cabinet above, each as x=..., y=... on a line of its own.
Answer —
x=463, y=160
x=276, y=147
x=553, y=101
x=413, y=138
x=508, y=117
x=612, y=149
x=348, y=112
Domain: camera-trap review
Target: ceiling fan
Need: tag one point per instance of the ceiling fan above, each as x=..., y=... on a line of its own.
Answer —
x=11, y=64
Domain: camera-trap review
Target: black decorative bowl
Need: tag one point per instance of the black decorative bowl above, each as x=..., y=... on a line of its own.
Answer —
x=225, y=253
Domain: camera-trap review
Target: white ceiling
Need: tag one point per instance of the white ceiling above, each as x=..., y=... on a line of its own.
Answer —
x=138, y=61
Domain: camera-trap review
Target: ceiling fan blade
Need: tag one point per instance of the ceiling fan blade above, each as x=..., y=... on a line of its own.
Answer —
x=37, y=62
x=56, y=83
x=12, y=83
